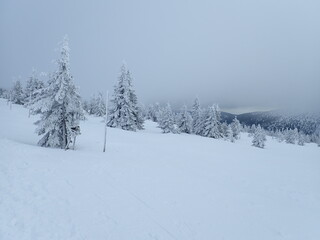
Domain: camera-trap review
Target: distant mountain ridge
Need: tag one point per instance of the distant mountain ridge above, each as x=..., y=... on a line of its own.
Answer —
x=276, y=119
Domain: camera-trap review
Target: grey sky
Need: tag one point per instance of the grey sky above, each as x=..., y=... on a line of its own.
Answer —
x=237, y=53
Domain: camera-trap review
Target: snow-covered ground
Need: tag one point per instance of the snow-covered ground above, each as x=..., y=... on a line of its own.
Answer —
x=154, y=186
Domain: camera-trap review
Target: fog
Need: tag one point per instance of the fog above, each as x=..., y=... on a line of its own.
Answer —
x=241, y=54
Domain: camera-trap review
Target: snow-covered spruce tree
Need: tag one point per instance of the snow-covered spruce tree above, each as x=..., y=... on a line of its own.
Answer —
x=196, y=117
x=185, y=121
x=59, y=105
x=224, y=130
x=259, y=137
x=291, y=135
x=157, y=111
x=3, y=93
x=149, y=112
x=236, y=128
x=165, y=120
x=301, y=138
x=98, y=105
x=212, y=124
x=85, y=106
x=230, y=135
x=125, y=112
x=252, y=130
x=17, y=96
x=137, y=109
x=33, y=85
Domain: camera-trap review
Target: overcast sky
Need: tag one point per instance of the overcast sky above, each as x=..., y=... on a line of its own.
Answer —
x=241, y=54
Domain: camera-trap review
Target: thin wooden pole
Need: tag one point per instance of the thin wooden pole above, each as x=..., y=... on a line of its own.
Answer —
x=105, y=123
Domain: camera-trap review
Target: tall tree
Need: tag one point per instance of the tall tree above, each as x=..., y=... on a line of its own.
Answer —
x=59, y=105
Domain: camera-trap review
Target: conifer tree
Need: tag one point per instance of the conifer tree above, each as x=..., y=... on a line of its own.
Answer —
x=212, y=125
x=17, y=96
x=291, y=135
x=224, y=130
x=166, y=122
x=230, y=134
x=236, y=128
x=185, y=121
x=196, y=117
x=301, y=139
x=137, y=110
x=125, y=112
x=259, y=137
x=99, y=105
x=34, y=84
x=59, y=105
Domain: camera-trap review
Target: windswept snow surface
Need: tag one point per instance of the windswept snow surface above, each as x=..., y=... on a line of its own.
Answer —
x=150, y=185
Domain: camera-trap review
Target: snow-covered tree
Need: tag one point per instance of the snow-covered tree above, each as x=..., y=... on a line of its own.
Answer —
x=166, y=122
x=212, y=124
x=59, y=105
x=224, y=130
x=236, y=128
x=33, y=85
x=137, y=109
x=279, y=136
x=17, y=95
x=150, y=112
x=196, y=117
x=3, y=93
x=259, y=137
x=291, y=136
x=230, y=134
x=98, y=105
x=185, y=121
x=252, y=130
x=301, y=139
x=85, y=106
x=125, y=112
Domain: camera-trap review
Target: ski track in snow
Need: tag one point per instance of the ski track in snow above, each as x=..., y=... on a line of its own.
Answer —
x=156, y=186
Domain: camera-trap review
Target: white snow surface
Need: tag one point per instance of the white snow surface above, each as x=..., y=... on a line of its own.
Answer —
x=150, y=185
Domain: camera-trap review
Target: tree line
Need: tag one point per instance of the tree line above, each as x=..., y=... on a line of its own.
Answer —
x=61, y=109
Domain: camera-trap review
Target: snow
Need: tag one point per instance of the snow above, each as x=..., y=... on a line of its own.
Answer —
x=150, y=185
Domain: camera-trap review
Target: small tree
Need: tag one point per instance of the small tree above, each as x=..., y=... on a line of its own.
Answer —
x=230, y=134
x=17, y=96
x=301, y=139
x=125, y=112
x=212, y=125
x=34, y=84
x=291, y=135
x=236, y=128
x=166, y=122
x=99, y=105
x=196, y=117
x=185, y=121
x=259, y=137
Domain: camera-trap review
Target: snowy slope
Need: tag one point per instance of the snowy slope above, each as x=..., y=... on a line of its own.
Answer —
x=155, y=186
